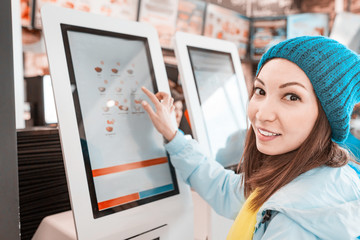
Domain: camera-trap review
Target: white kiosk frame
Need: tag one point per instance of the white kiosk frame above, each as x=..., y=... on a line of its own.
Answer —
x=217, y=226
x=182, y=42
x=168, y=218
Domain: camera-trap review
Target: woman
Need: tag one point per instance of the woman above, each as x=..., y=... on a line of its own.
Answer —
x=295, y=181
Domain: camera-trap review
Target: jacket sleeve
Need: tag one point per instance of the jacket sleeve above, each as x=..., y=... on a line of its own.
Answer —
x=282, y=228
x=219, y=187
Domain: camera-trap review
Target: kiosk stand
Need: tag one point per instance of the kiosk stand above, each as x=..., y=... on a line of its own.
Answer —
x=216, y=98
x=121, y=181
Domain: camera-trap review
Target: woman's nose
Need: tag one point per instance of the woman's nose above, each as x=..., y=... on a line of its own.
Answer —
x=266, y=111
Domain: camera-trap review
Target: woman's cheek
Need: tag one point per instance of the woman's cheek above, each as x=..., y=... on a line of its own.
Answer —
x=250, y=110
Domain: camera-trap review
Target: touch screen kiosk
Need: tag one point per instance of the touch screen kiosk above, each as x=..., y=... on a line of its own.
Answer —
x=216, y=93
x=216, y=97
x=121, y=183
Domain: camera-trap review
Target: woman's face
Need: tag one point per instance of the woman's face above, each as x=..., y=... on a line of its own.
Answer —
x=283, y=109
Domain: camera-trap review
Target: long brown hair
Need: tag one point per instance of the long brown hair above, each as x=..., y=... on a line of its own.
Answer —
x=268, y=173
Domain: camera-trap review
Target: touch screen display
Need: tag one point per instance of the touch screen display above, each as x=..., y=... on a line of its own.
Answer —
x=222, y=108
x=124, y=156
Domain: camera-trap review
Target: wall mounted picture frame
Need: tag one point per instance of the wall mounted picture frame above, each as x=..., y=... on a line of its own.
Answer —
x=121, y=9
x=307, y=24
x=266, y=32
x=225, y=24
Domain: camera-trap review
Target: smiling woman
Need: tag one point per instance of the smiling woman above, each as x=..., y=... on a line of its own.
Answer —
x=279, y=105
x=294, y=180
x=290, y=132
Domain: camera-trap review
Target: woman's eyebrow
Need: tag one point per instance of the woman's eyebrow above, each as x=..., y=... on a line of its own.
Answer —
x=258, y=79
x=283, y=85
x=291, y=84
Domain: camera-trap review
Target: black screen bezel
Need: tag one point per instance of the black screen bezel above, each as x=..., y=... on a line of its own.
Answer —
x=189, y=49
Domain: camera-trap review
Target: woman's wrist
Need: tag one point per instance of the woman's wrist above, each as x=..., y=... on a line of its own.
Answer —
x=170, y=135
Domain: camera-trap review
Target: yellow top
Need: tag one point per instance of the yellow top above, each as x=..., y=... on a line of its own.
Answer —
x=244, y=225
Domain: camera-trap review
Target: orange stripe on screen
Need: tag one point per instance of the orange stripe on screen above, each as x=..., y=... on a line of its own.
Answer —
x=129, y=166
x=118, y=201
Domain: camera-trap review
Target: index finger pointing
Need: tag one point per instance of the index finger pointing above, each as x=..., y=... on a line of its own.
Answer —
x=151, y=96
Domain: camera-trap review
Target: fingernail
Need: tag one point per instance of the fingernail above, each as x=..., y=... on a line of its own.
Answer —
x=144, y=103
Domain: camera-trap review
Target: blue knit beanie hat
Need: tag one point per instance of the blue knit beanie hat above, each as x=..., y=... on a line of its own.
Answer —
x=334, y=72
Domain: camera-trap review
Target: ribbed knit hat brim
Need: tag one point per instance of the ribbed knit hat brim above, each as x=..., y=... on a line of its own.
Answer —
x=334, y=72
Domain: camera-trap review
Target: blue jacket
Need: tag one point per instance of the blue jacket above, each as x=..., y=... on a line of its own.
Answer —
x=353, y=145
x=323, y=203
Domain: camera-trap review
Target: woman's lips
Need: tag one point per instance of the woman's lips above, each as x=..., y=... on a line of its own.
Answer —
x=266, y=135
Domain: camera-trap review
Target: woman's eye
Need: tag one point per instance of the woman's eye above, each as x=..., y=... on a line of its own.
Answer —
x=292, y=97
x=259, y=91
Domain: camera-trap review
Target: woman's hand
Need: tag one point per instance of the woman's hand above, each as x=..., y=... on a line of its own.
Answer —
x=161, y=118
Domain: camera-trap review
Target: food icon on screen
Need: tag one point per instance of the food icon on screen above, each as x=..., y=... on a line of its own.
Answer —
x=137, y=105
x=118, y=89
x=101, y=89
x=130, y=71
x=106, y=81
x=114, y=70
x=112, y=121
x=98, y=69
x=118, y=63
x=123, y=108
x=116, y=103
x=125, y=100
x=109, y=129
x=135, y=101
x=105, y=109
x=102, y=62
x=138, y=101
